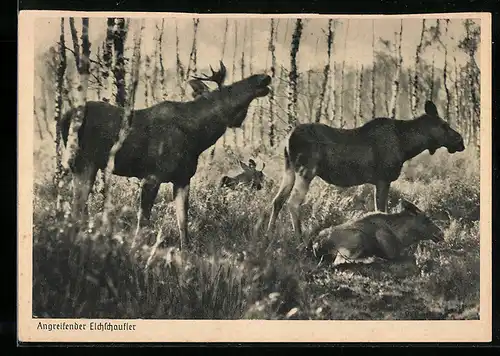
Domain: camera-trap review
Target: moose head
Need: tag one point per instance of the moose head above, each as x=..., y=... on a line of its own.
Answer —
x=239, y=94
x=419, y=225
x=250, y=176
x=440, y=132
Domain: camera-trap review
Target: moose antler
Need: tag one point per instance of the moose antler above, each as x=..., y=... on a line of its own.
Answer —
x=217, y=77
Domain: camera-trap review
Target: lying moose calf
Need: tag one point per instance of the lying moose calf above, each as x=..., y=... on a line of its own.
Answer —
x=376, y=235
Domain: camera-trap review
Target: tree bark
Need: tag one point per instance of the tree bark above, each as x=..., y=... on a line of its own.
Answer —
x=179, y=66
x=293, y=76
x=83, y=65
x=119, y=36
x=374, y=70
x=445, y=77
x=107, y=65
x=342, y=78
x=233, y=74
x=399, y=64
x=326, y=72
x=272, y=49
x=416, y=83
x=61, y=69
x=160, y=60
x=125, y=126
x=192, y=65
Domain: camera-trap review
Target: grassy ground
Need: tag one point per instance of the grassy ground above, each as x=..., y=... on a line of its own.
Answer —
x=230, y=274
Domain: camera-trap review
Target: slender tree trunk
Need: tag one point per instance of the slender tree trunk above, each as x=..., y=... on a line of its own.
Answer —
x=374, y=71
x=147, y=80
x=61, y=69
x=410, y=88
x=445, y=77
x=397, y=74
x=83, y=65
x=107, y=62
x=163, y=86
x=358, y=115
x=332, y=96
x=212, y=153
x=192, y=65
x=326, y=72
x=431, y=86
x=95, y=71
x=242, y=68
x=224, y=42
x=125, y=126
x=38, y=124
x=416, y=84
x=342, y=79
x=179, y=66
x=293, y=76
x=272, y=49
x=119, y=36
x=233, y=74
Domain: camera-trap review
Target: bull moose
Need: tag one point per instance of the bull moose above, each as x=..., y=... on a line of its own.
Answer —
x=164, y=143
x=250, y=176
x=376, y=235
x=373, y=153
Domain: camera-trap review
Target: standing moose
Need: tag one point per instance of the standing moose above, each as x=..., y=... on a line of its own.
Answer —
x=250, y=175
x=373, y=153
x=164, y=143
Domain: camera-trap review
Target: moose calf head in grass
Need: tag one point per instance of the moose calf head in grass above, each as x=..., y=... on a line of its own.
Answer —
x=250, y=176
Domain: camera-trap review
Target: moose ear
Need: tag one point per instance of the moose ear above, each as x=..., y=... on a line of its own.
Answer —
x=430, y=108
x=409, y=207
x=244, y=166
x=197, y=85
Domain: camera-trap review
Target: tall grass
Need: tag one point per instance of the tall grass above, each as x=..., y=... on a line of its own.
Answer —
x=228, y=273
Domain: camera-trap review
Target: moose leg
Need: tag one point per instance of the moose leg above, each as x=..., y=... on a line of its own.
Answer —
x=149, y=191
x=287, y=183
x=181, y=196
x=296, y=199
x=381, y=194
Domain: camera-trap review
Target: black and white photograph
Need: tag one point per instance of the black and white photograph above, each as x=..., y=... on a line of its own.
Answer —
x=254, y=168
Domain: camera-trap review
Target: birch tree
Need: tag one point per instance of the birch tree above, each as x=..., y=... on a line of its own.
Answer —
x=61, y=69
x=293, y=75
x=192, y=64
x=272, y=49
x=83, y=64
x=374, y=71
x=125, y=124
x=119, y=37
x=326, y=71
x=416, y=84
x=107, y=62
x=397, y=74
x=179, y=66
x=342, y=80
x=163, y=86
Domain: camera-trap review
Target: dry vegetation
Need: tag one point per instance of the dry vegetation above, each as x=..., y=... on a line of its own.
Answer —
x=230, y=274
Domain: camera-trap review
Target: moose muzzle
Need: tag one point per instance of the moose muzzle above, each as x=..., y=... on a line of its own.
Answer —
x=457, y=146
